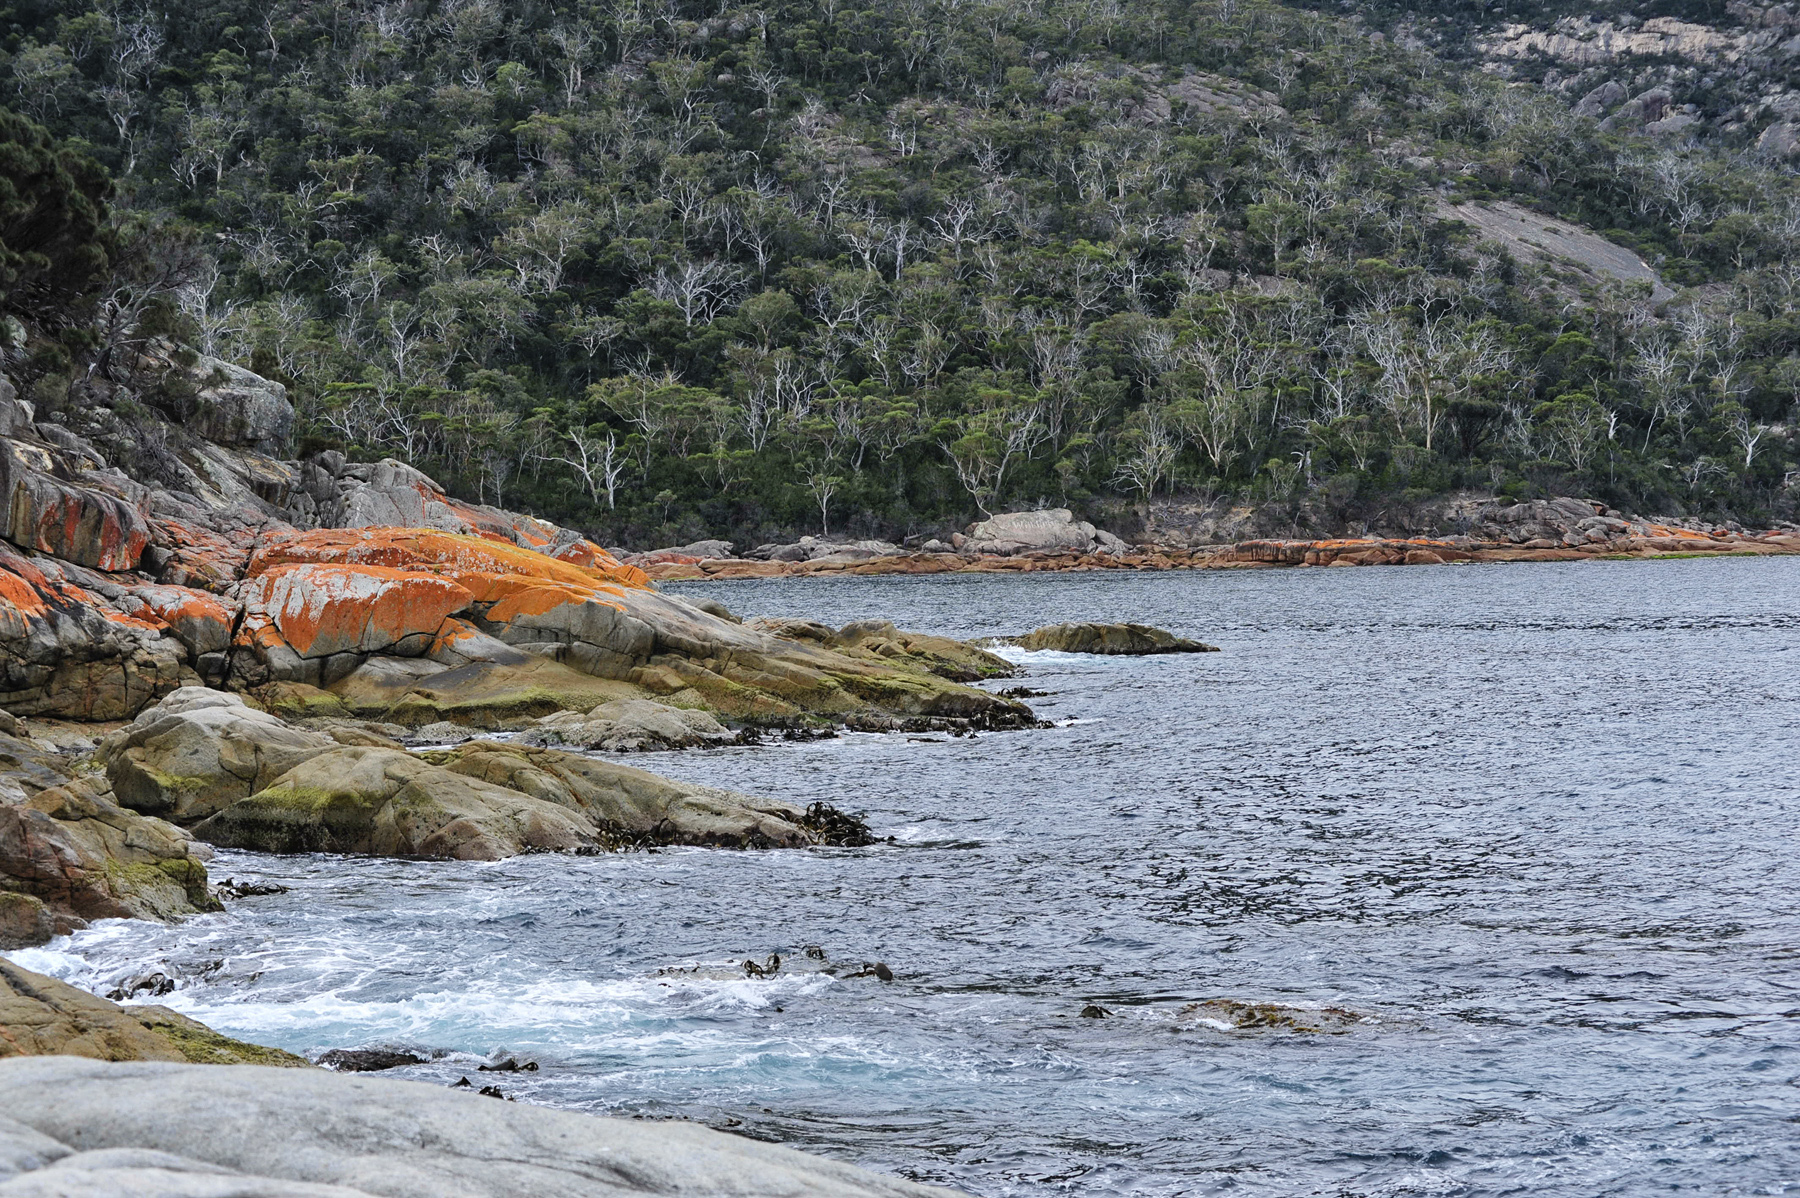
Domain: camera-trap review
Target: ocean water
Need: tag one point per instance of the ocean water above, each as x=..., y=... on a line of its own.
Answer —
x=1501, y=861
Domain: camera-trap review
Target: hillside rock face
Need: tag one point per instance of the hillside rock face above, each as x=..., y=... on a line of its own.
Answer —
x=95, y=1129
x=239, y=408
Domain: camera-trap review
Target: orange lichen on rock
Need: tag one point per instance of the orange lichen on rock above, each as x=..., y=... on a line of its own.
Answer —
x=585, y=553
x=518, y=601
x=319, y=609
x=21, y=592
x=491, y=570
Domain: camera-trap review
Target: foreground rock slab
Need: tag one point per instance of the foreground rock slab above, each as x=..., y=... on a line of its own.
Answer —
x=40, y=1016
x=90, y=1128
x=1123, y=640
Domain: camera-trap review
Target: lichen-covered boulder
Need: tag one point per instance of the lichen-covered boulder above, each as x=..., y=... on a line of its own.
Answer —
x=198, y=750
x=65, y=652
x=391, y=803
x=199, y=620
x=299, y=618
x=1109, y=639
x=44, y=506
x=608, y=622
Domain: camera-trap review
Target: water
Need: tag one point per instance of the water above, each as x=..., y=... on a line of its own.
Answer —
x=1533, y=825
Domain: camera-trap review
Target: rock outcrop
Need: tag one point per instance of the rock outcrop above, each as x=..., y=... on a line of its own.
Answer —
x=1054, y=530
x=1124, y=640
x=64, y=650
x=89, y=1129
x=199, y=750
x=486, y=800
x=40, y=1016
x=240, y=408
x=391, y=803
x=70, y=854
x=492, y=621
x=243, y=778
x=812, y=549
x=630, y=726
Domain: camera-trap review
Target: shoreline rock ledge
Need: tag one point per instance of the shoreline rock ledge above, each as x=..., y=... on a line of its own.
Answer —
x=97, y=1129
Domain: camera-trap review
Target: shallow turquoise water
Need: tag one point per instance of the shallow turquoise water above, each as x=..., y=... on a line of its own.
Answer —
x=1533, y=825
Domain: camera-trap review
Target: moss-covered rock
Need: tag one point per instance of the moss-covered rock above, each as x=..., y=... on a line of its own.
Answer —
x=394, y=804
x=198, y=750
x=486, y=800
x=40, y=1016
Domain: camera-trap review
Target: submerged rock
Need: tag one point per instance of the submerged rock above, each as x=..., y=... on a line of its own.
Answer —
x=40, y=1016
x=1231, y=1013
x=366, y=1060
x=93, y=1128
x=1110, y=639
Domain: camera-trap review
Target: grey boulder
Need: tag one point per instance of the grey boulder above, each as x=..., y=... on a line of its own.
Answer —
x=240, y=408
x=95, y=1129
x=1051, y=530
x=198, y=751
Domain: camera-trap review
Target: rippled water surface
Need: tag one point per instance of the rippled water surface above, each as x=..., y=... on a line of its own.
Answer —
x=1535, y=826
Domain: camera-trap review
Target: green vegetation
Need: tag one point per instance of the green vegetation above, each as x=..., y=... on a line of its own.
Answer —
x=203, y=1046
x=55, y=241
x=680, y=271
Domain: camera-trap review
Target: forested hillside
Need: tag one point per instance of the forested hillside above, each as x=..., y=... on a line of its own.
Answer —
x=681, y=270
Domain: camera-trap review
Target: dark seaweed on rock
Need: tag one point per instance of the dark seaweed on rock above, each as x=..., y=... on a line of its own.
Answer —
x=829, y=826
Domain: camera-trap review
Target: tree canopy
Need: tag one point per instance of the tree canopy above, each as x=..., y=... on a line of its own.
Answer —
x=689, y=270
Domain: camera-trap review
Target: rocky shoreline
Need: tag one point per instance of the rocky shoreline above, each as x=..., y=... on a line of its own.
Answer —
x=1559, y=530
x=324, y=656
